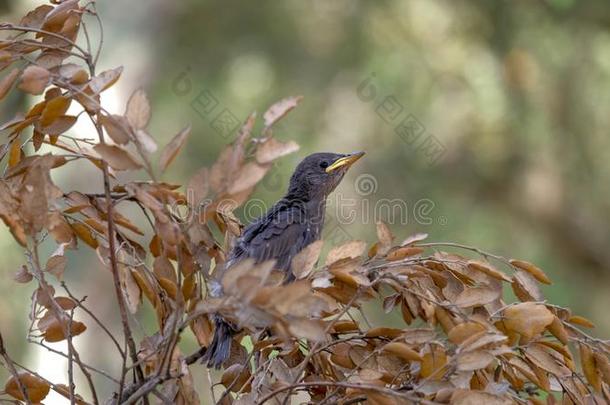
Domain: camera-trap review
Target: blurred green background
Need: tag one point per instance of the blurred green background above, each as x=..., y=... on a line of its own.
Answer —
x=494, y=114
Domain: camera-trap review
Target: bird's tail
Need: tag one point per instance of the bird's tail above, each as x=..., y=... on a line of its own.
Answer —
x=220, y=348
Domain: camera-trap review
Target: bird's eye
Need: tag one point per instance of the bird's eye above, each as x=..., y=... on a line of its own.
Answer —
x=324, y=164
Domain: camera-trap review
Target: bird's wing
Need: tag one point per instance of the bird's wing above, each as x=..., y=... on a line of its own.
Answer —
x=279, y=235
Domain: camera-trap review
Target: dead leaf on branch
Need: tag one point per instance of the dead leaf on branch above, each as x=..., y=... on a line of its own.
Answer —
x=104, y=80
x=171, y=150
x=304, y=262
x=56, y=264
x=54, y=20
x=118, y=158
x=36, y=17
x=116, y=127
x=272, y=149
x=7, y=82
x=476, y=296
x=23, y=275
x=34, y=80
x=54, y=109
x=528, y=319
x=280, y=109
x=35, y=387
x=247, y=177
x=349, y=249
x=138, y=110
x=535, y=271
x=54, y=330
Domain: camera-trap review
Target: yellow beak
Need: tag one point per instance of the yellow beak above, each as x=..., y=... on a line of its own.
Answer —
x=344, y=161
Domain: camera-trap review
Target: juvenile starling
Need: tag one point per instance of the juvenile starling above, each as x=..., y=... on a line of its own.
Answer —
x=294, y=222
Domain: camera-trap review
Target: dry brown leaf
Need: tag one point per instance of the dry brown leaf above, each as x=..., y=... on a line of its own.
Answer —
x=56, y=264
x=469, y=397
x=485, y=339
x=54, y=109
x=528, y=319
x=59, y=125
x=54, y=330
x=603, y=366
x=145, y=286
x=117, y=158
x=340, y=355
x=403, y=351
x=138, y=109
x=581, y=321
x=280, y=109
x=382, y=331
x=198, y=187
x=203, y=330
x=146, y=142
x=433, y=363
x=34, y=80
x=7, y=82
x=351, y=249
x=23, y=275
x=557, y=329
x=35, y=18
x=303, y=263
x=55, y=19
x=525, y=287
x=486, y=268
x=273, y=149
x=15, y=153
x=403, y=252
x=418, y=237
x=84, y=234
x=163, y=268
x=384, y=235
x=474, y=360
x=169, y=286
x=587, y=361
x=345, y=326
x=463, y=331
x=35, y=387
x=116, y=127
x=309, y=329
x=235, y=377
x=130, y=288
x=37, y=140
x=105, y=80
x=247, y=177
x=74, y=73
x=476, y=296
x=66, y=303
x=531, y=269
x=539, y=356
x=171, y=150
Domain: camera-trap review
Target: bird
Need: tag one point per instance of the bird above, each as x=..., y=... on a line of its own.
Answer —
x=291, y=224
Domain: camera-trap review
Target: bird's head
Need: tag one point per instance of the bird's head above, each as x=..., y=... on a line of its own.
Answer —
x=319, y=174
